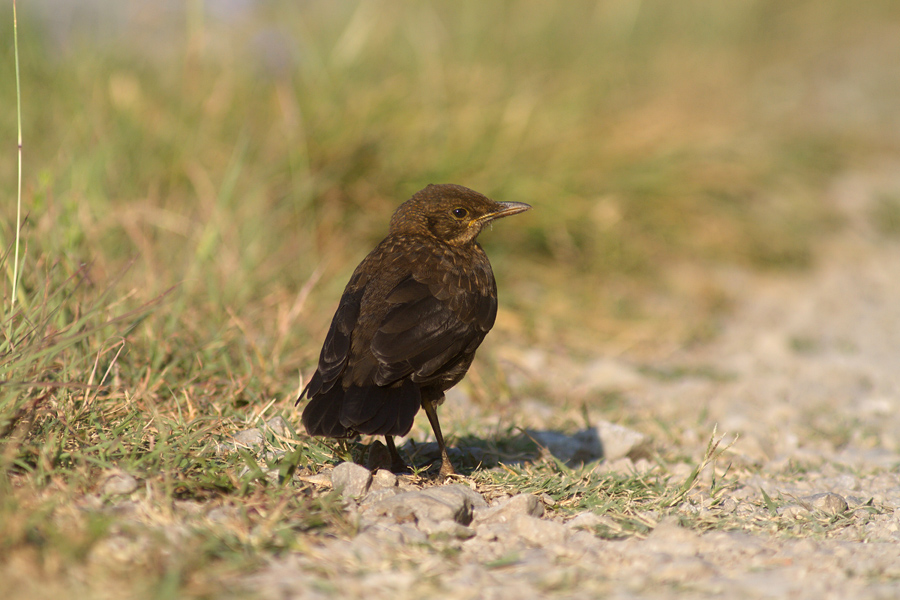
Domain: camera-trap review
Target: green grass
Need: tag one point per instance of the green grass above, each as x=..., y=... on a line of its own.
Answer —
x=194, y=207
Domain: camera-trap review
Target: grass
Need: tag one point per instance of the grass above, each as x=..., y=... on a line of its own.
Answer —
x=196, y=193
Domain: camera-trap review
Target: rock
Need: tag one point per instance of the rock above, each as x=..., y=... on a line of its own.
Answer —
x=605, y=440
x=539, y=532
x=383, y=479
x=250, y=438
x=375, y=496
x=119, y=484
x=494, y=532
x=587, y=520
x=388, y=532
x=521, y=504
x=278, y=426
x=579, y=448
x=351, y=480
x=794, y=511
x=828, y=503
x=446, y=530
x=619, y=442
x=450, y=502
x=728, y=505
x=460, y=490
x=622, y=466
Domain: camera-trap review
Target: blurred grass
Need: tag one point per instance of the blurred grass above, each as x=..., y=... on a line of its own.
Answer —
x=200, y=183
x=257, y=145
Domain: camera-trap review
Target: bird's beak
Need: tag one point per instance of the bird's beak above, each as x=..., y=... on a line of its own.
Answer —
x=506, y=209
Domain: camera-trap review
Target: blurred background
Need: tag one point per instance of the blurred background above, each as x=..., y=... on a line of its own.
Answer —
x=201, y=177
x=250, y=153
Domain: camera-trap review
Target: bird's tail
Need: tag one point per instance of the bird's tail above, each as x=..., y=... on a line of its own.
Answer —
x=371, y=409
x=322, y=416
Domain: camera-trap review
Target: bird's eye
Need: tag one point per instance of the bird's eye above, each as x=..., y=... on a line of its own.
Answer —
x=460, y=213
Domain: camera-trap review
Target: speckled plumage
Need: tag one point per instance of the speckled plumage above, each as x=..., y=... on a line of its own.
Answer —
x=409, y=321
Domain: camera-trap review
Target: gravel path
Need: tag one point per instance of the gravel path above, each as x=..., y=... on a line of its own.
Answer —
x=805, y=373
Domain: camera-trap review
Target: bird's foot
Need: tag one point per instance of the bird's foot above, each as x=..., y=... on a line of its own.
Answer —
x=446, y=466
x=396, y=464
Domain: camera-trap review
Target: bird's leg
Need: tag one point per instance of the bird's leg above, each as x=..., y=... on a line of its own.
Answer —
x=398, y=465
x=431, y=410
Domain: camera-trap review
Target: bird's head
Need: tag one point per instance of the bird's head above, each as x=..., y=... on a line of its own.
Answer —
x=451, y=213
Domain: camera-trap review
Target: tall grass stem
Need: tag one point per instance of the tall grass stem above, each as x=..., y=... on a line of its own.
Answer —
x=12, y=305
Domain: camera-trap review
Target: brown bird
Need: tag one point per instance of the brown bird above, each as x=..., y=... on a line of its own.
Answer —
x=409, y=322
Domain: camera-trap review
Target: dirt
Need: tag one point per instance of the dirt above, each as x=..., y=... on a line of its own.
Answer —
x=803, y=382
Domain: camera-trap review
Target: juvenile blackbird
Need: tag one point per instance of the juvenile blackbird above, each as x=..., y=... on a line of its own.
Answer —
x=409, y=322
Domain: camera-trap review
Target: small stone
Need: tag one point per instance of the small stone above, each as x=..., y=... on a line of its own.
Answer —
x=494, y=532
x=642, y=465
x=829, y=503
x=521, y=504
x=539, y=532
x=375, y=496
x=351, y=480
x=460, y=490
x=451, y=502
x=119, y=484
x=386, y=533
x=375, y=532
x=587, y=520
x=278, y=426
x=445, y=530
x=250, y=438
x=618, y=442
x=383, y=479
x=794, y=511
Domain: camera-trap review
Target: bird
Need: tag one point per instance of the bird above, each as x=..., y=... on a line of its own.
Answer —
x=409, y=321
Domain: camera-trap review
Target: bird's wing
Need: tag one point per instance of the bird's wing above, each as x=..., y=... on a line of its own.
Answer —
x=431, y=325
x=336, y=349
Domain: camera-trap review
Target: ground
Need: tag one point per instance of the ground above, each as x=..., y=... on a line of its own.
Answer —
x=800, y=385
